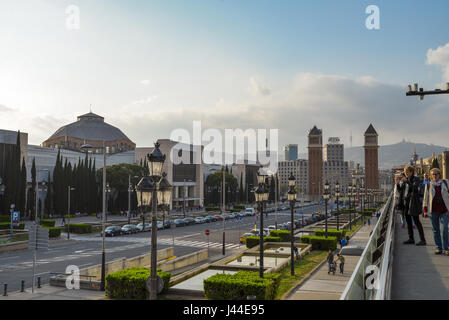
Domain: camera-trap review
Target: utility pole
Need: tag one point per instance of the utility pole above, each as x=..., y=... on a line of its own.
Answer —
x=421, y=93
x=223, y=210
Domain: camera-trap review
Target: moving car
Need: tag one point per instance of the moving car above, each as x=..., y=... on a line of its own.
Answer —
x=250, y=211
x=218, y=217
x=210, y=219
x=189, y=221
x=113, y=231
x=167, y=223
x=129, y=228
x=244, y=236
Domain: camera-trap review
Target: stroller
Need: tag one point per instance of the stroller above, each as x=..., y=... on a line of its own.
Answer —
x=332, y=267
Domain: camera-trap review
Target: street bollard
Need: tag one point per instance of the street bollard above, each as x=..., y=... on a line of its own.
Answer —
x=5, y=289
x=38, y=282
x=22, y=289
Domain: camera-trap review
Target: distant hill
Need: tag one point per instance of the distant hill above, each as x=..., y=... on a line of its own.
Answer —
x=392, y=155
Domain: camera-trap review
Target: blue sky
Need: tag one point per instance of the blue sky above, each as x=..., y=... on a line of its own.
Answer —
x=153, y=66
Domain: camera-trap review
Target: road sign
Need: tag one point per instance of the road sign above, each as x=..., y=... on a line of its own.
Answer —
x=160, y=284
x=207, y=232
x=301, y=212
x=15, y=218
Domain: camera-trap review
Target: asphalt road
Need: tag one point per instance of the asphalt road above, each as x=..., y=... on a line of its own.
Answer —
x=85, y=250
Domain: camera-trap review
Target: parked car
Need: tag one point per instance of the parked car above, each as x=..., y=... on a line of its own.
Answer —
x=199, y=220
x=179, y=222
x=167, y=223
x=250, y=211
x=210, y=219
x=218, y=217
x=160, y=225
x=231, y=215
x=189, y=221
x=256, y=233
x=147, y=226
x=241, y=214
x=271, y=227
x=113, y=231
x=129, y=228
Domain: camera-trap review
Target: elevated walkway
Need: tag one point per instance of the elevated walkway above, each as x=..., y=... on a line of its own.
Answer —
x=418, y=274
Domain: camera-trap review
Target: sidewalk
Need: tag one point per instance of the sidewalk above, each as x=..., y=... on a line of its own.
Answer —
x=418, y=274
x=324, y=286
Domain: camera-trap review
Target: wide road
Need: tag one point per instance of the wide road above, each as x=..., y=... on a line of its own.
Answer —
x=85, y=250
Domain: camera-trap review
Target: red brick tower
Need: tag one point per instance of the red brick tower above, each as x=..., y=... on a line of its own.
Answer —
x=371, y=158
x=315, y=162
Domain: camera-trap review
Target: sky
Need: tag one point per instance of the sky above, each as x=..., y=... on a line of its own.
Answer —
x=150, y=67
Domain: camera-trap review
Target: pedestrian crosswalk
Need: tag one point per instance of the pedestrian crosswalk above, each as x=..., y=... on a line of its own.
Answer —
x=165, y=241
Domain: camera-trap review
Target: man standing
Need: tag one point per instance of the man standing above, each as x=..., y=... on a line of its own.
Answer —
x=330, y=260
x=436, y=202
x=413, y=205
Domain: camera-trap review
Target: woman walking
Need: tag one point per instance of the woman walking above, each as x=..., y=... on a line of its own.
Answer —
x=436, y=202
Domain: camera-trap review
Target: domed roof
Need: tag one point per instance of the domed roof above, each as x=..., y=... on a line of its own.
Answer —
x=90, y=126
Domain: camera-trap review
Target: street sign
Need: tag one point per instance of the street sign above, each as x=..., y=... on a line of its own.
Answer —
x=301, y=212
x=207, y=232
x=160, y=284
x=15, y=218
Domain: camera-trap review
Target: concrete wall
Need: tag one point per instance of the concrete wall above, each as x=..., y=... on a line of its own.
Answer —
x=120, y=264
x=184, y=261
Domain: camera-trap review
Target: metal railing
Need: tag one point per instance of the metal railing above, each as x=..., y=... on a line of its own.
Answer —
x=372, y=276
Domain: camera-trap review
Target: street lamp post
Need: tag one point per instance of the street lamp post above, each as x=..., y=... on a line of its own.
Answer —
x=261, y=195
x=223, y=192
x=350, y=204
x=362, y=194
x=292, y=198
x=154, y=189
x=87, y=147
x=2, y=188
x=337, y=195
x=69, y=188
x=326, y=195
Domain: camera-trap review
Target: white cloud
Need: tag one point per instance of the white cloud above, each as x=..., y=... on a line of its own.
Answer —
x=440, y=57
x=258, y=88
x=4, y=108
x=145, y=82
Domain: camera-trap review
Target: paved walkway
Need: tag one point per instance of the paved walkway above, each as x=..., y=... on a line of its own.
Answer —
x=323, y=286
x=419, y=274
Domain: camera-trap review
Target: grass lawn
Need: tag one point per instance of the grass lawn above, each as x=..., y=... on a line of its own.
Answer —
x=302, y=267
x=355, y=226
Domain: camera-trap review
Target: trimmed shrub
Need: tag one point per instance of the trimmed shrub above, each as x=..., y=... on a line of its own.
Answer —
x=131, y=283
x=240, y=285
x=320, y=243
x=5, y=218
x=71, y=216
x=47, y=223
x=285, y=235
x=79, y=228
x=212, y=209
x=53, y=232
x=339, y=234
x=254, y=241
x=7, y=225
x=239, y=207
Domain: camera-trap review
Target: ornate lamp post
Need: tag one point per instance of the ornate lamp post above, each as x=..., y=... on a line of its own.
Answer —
x=326, y=195
x=362, y=194
x=337, y=194
x=154, y=189
x=350, y=187
x=292, y=199
x=261, y=195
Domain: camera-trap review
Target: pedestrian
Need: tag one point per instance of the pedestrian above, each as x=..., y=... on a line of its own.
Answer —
x=399, y=196
x=296, y=252
x=413, y=205
x=436, y=203
x=330, y=260
x=347, y=240
x=63, y=220
x=342, y=262
x=343, y=242
x=369, y=222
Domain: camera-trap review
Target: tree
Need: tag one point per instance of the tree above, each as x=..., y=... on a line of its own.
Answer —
x=215, y=181
x=48, y=198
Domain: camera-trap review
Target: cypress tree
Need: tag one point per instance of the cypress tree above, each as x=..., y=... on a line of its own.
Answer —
x=48, y=198
x=435, y=164
x=22, y=186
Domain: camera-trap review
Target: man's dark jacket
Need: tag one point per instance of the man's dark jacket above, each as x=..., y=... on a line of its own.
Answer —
x=413, y=199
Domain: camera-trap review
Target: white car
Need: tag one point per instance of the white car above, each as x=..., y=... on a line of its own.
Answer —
x=250, y=211
x=147, y=226
x=271, y=228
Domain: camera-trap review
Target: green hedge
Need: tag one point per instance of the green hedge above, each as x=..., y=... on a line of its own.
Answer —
x=79, y=228
x=7, y=225
x=339, y=234
x=53, y=232
x=254, y=241
x=131, y=283
x=239, y=207
x=347, y=211
x=240, y=285
x=285, y=235
x=47, y=223
x=5, y=218
x=213, y=209
x=320, y=243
